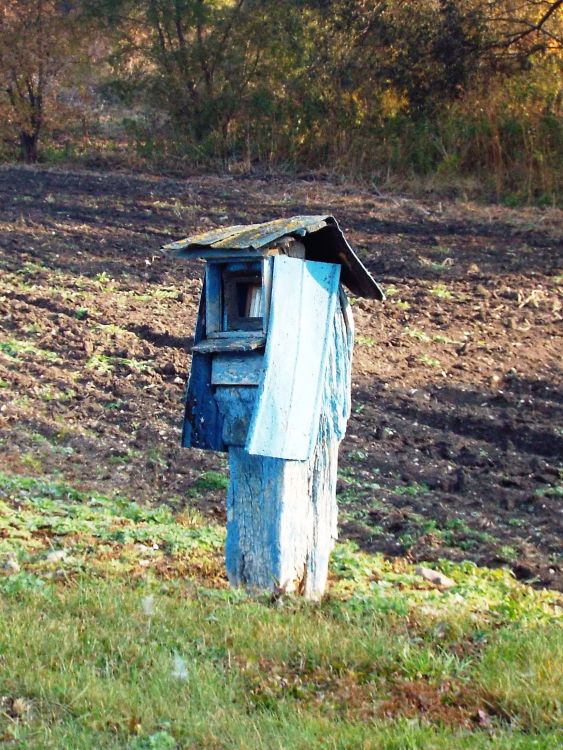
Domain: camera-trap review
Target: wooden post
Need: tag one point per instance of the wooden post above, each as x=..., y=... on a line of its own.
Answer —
x=282, y=514
x=270, y=383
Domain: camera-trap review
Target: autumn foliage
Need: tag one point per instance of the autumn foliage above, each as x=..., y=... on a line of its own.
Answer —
x=447, y=91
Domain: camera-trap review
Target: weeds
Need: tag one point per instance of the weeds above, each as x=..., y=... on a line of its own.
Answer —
x=429, y=361
x=367, y=341
x=209, y=481
x=418, y=335
x=104, y=363
x=442, y=292
x=16, y=349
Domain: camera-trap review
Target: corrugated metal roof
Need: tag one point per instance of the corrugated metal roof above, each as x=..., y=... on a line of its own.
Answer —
x=321, y=235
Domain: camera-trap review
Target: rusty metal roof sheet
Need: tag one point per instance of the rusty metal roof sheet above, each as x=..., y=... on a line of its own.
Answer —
x=321, y=235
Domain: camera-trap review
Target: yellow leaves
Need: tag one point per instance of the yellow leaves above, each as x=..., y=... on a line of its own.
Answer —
x=393, y=102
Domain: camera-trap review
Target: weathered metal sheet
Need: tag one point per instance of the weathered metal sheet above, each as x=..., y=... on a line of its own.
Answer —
x=205, y=238
x=260, y=235
x=323, y=239
x=286, y=418
x=329, y=245
x=245, y=236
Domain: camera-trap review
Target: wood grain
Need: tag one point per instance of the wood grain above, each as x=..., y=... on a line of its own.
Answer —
x=286, y=417
x=282, y=515
x=237, y=369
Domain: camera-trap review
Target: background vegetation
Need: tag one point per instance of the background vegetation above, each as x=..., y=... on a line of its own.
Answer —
x=460, y=95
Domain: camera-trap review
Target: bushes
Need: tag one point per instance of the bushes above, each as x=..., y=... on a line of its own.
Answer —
x=440, y=92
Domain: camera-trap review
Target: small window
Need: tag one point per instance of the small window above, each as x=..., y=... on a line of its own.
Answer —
x=242, y=301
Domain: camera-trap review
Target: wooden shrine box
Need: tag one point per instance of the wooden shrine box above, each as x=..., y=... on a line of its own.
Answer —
x=270, y=383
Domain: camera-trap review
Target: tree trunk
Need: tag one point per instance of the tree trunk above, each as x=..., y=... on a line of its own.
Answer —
x=28, y=145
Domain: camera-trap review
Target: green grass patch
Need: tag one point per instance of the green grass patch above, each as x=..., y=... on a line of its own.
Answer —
x=430, y=361
x=442, y=292
x=418, y=335
x=104, y=363
x=105, y=534
x=367, y=341
x=113, y=635
x=209, y=481
x=17, y=349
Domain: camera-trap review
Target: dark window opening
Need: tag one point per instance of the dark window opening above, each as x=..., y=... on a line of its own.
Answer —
x=242, y=301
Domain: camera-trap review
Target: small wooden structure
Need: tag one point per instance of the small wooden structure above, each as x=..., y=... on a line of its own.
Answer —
x=270, y=383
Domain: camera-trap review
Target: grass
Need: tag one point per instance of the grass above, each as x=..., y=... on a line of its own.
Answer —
x=367, y=341
x=129, y=638
x=104, y=363
x=418, y=335
x=209, y=481
x=429, y=361
x=15, y=349
x=442, y=292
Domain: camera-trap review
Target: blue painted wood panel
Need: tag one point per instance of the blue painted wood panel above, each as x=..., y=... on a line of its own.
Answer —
x=203, y=423
x=213, y=298
x=237, y=369
x=286, y=418
x=236, y=404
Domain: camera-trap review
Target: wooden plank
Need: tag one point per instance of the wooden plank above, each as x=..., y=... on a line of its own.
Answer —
x=267, y=274
x=281, y=521
x=236, y=404
x=303, y=304
x=235, y=335
x=223, y=255
x=237, y=369
x=213, y=297
x=254, y=266
x=241, y=343
x=203, y=424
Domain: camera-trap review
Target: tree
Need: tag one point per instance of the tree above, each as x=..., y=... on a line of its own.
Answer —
x=38, y=43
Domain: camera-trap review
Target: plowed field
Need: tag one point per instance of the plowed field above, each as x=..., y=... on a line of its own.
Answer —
x=455, y=442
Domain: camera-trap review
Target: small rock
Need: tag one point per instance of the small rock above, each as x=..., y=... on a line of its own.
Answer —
x=482, y=718
x=55, y=556
x=10, y=567
x=435, y=577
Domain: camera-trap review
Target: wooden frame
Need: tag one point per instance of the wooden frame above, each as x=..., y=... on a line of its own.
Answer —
x=222, y=293
x=237, y=287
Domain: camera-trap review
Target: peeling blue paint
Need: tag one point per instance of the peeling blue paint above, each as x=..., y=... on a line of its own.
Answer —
x=286, y=417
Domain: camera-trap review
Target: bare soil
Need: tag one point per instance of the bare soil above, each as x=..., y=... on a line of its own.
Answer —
x=455, y=442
